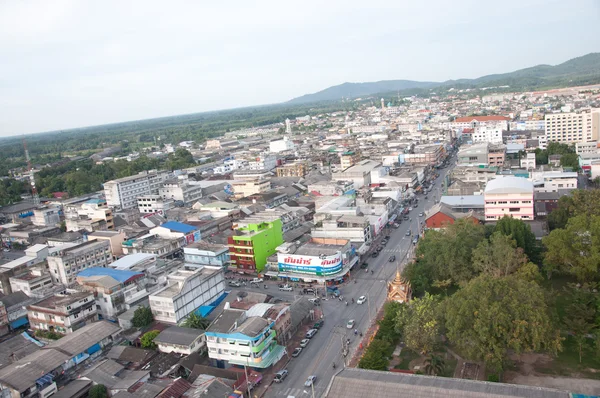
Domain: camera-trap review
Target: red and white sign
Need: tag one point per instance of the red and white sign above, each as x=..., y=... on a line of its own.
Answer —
x=315, y=261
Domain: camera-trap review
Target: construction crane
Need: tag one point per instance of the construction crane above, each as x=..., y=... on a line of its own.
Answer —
x=34, y=193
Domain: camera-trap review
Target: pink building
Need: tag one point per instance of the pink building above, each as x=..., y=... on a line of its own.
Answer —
x=508, y=196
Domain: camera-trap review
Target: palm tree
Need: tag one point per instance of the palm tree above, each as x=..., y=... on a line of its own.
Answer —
x=196, y=321
x=434, y=365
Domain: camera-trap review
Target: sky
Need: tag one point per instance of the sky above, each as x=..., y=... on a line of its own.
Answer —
x=72, y=63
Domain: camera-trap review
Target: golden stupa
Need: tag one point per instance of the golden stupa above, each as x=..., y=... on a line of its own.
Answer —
x=399, y=290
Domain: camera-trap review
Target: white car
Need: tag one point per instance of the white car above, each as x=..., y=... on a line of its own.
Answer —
x=310, y=381
x=257, y=280
x=286, y=288
x=350, y=324
x=304, y=342
x=361, y=300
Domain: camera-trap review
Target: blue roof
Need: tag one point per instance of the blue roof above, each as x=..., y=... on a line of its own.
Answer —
x=179, y=227
x=96, y=201
x=117, y=274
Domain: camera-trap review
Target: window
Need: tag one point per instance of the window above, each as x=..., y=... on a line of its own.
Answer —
x=514, y=209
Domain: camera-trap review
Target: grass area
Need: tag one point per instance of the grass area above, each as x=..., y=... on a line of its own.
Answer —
x=406, y=356
x=567, y=362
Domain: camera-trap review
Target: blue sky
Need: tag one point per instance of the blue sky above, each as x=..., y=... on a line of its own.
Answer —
x=69, y=63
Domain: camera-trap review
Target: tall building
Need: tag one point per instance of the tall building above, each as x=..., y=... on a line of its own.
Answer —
x=573, y=127
x=288, y=126
x=123, y=192
x=67, y=263
x=252, y=244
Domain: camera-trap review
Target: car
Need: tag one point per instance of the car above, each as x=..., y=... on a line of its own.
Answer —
x=286, y=288
x=308, y=290
x=280, y=376
x=364, y=266
x=304, y=342
x=421, y=214
x=410, y=209
x=296, y=352
x=257, y=280
x=315, y=300
x=311, y=333
x=310, y=381
x=392, y=259
x=408, y=233
x=319, y=324
x=396, y=225
x=387, y=237
x=375, y=254
x=361, y=300
x=415, y=240
x=405, y=218
x=350, y=324
x=384, y=242
x=234, y=284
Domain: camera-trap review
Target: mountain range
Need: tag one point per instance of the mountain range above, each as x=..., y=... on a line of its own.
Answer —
x=577, y=71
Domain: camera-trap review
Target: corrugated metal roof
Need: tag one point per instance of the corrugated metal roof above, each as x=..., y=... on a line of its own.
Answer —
x=117, y=274
x=178, y=227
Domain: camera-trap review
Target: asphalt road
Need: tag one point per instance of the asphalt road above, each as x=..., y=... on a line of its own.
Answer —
x=325, y=348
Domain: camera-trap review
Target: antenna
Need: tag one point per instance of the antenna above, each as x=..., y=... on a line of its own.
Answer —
x=34, y=194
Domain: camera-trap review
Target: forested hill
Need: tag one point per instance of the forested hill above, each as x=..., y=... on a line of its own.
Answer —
x=577, y=71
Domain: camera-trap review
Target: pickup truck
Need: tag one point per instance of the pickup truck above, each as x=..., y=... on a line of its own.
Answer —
x=286, y=288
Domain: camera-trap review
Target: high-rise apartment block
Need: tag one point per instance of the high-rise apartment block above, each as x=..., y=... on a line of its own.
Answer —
x=123, y=192
x=573, y=127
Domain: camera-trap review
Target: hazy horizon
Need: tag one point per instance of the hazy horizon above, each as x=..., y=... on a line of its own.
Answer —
x=75, y=64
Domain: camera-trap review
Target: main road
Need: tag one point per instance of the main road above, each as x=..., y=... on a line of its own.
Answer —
x=325, y=348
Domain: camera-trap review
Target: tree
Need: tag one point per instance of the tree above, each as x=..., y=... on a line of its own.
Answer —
x=196, y=321
x=376, y=356
x=490, y=316
x=580, y=315
x=98, y=391
x=387, y=325
x=499, y=256
x=142, y=317
x=570, y=160
x=434, y=365
x=418, y=323
x=574, y=249
x=521, y=233
x=420, y=277
x=147, y=340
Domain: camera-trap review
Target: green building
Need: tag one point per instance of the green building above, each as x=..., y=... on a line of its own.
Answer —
x=253, y=242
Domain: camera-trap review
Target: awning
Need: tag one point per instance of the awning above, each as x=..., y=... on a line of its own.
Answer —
x=393, y=218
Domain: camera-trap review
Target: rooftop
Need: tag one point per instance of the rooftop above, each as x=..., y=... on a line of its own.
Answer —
x=179, y=227
x=226, y=321
x=131, y=260
x=118, y=275
x=61, y=300
x=509, y=185
x=316, y=249
x=468, y=119
x=178, y=336
x=252, y=326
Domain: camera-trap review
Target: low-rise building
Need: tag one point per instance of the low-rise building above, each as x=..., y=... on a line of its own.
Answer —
x=496, y=155
x=178, y=340
x=67, y=263
x=92, y=215
x=509, y=196
x=252, y=243
x=186, y=292
x=281, y=145
x=46, y=216
x=293, y=169
x=243, y=188
x=32, y=282
x=205, y=253
x=63, y=313
x=180, y=190
x=356, y=229
x=123, y=192
x=528, y=162
x=114, y=238
x=473, y=155
x=154, y=204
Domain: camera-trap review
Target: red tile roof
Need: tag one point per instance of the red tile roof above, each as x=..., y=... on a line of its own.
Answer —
x=467, y=119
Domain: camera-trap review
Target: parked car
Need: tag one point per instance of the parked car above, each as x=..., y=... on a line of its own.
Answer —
x=234, y=284
x=421, y=214
x=280, y=376
x=304, y=342
x=405, y=218
x=286, y=288
x=415, y=239
x=361, y=300
x=396, y=225
x=311, y=333
x=392, y=258
x=310, y=381
x=296, y=352
x=408, y=233
x=410, y=209
x=384, y=242
x=319, y=324
x=364, y=265
x=350, y=324
x=308, y=290
x=315, y=300
x=374, y=254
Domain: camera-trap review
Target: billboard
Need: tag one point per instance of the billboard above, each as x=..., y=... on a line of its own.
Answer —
x=314, y=265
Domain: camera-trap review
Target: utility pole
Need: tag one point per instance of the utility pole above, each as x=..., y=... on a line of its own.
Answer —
x=34, y=193
x=248, y=388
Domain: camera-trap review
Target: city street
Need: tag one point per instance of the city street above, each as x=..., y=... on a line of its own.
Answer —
x=325, y=347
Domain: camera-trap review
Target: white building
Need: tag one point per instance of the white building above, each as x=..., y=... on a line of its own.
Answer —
x=586, y=147
x=262, y=161
x=46, y=216
x=509, y=196
x=528, y=162
x=185, y=292
x=572, y=127
x=553, y=181
x=178, y=340
x=489, y=132
x=181, y=190
x=205, y=253
x=281, y=145
x=123, y=192
x=67, y=263
x=154, y=204
x=85, y=215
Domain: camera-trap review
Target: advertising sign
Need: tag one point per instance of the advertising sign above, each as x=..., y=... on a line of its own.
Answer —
x=314, y=265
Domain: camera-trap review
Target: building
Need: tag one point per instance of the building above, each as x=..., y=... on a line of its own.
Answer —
x=154, y=204
x=238, y=337
x=63, y=313
x=181, y=232
x=180, y=190
x=15, y=305
x=441, y=215
x=281, y=145
x=360, y=173
x=115, y=290
x=33, y=282
x=496, y=155
x=320, y=259
x=472, y=122
x=123, y=192
x=246, y=188
x=586, y=147
x=136, y=262
x=92, y=215
x=114, y=238
x=488, y=132
x=178, y=340
x=186, y=292
x=473, y=155
x=424, y=155
x=262, y=161
x=349, y=159
x=573, y=127
x=205, y=253
x=332, y=188
x=46, y=216
x=554, y=181
x=356, y=229
x=252, y=244
x=528, y=162
x=293, y=169
x=509, y=196
x=68, y=262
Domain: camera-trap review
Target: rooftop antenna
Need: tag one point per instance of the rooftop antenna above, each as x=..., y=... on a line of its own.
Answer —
x=34, y=193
